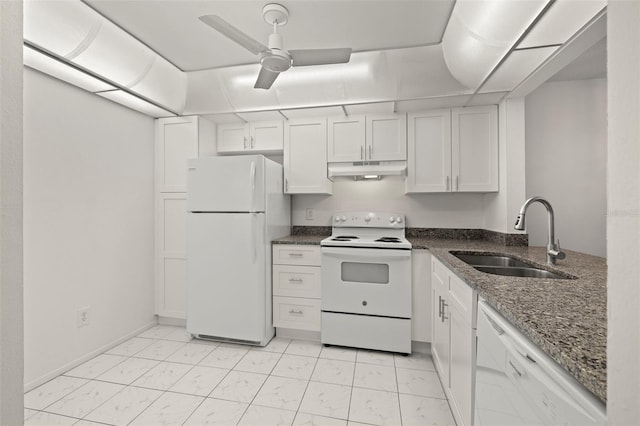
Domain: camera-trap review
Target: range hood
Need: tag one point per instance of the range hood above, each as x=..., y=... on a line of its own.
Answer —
x=367, y=169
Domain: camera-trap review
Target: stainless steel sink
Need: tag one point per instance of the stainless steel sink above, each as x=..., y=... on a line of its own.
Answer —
x=506, y=266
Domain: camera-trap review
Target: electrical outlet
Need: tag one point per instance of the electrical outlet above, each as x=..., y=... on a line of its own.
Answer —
x=83, y=317
x=309, y=214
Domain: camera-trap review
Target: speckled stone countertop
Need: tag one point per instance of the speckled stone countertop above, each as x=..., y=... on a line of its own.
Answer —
x=566, y=318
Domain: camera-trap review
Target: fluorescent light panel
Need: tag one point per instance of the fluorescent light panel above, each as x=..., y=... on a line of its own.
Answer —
x=135, y=103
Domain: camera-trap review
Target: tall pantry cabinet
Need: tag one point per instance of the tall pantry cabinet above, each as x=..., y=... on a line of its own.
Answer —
x=176, y=140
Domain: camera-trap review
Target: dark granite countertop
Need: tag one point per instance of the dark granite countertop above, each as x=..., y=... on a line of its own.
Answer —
x=566, y=318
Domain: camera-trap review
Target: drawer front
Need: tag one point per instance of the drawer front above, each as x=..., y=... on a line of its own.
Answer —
x=293, y=254
x=465, y=299
x=292, y=312
x=296, y=281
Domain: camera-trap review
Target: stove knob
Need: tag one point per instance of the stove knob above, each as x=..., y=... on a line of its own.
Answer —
x=399, y=219
x=392, y=219
x=367, y=219
x=337, y=219
x=343, y=218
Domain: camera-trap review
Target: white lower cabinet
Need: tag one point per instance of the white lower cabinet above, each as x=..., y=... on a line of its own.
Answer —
x=454, y=334
x=421, y=296
x=296, y=286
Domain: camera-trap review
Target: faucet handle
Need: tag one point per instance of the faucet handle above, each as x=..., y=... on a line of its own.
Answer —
x=556, y=252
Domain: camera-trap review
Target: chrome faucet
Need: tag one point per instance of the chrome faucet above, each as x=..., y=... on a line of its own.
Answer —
x=553, y=247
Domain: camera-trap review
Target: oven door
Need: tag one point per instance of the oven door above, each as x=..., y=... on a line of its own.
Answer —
x=366, y=281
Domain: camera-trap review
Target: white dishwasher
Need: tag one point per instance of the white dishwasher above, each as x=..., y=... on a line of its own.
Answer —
x=518, y=384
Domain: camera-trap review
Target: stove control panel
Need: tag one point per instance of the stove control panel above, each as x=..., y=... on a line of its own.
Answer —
x=368, y=220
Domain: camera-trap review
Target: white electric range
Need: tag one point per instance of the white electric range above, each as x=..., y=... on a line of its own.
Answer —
x=366, y=282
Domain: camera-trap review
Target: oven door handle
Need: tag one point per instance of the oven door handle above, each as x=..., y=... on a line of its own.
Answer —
x=370, y=254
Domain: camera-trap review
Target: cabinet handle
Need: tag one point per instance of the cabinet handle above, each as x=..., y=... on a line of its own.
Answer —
x=296, y=280
x=515, y=369
x=286, y=185
x=444, y=317
x=370, y=152
x=253, y=142
x=447, y=187
x=244, y=138
x=295, y=255
x=361, y=152
x=299, y=312
x=439, y=306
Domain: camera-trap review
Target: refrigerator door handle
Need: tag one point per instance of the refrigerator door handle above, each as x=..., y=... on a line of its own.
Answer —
x=252, y=182
x=254, y=237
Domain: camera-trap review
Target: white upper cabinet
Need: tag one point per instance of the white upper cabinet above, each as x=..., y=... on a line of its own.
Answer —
x=474, y=148
x=367, y=138
x=258, y=137
x=305, y=157
x=453, y=150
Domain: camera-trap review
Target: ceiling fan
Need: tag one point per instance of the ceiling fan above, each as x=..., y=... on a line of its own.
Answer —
x=274, y=59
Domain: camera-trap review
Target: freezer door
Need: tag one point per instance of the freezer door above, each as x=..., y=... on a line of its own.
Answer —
x=228, y=289
x=226, y=184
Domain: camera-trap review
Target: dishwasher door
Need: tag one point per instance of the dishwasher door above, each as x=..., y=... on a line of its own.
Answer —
x=518, y=384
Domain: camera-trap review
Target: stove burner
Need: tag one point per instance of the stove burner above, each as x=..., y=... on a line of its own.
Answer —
x=388, y=240
x=344, y=238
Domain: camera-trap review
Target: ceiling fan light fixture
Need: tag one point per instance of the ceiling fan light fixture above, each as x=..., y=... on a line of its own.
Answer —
x=276, y=60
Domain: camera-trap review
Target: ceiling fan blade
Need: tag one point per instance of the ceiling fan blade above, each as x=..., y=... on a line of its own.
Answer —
x=305, y=57
x=265, y=79
x=225, y=28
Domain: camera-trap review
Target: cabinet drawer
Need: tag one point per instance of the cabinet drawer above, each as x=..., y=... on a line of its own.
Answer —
x=464, y=297
x=294, y=254
x=296, y=281
x=292, y=312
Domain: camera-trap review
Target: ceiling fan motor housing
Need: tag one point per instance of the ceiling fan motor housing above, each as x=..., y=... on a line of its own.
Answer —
x=276, y=60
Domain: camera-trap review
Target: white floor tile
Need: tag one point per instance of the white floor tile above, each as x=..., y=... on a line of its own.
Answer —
x=371, y=376
x=48, y=393
x=160, y=350
x=224, y=357
x=375, y=357
x=131, y=346
x=239, y=386
x=281, y=392
x=340, y=353
x=48, y=419
x=88, y=423
x=258, y=362
x=416, y=361
x=304, y=419
x=304, y=348
x=277, y=344
x=163, y=375
x=217, y=412
x=295, y=366
x=158, y=332
x=96, y=366
x=260, y=416
x=200, y=380
x=83, y=400
x=169, y=409
x=325, y=399
x=334, y=371
x=421, y=411
x=124, y=406
x=179, y=335
x=28, y=413
x=419, y=382
x=128, y=371
x=191, y=353
x=374, y=407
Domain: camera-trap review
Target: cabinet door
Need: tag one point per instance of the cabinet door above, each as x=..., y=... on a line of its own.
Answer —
x=171, y=255
x=346, y=139
x=386, y=137
x=474, y=145
x=266, y=136
x=233, y=138
x=429, y=143
x=421, y=296
x=305, y=157
x=176, y=140
x=462, y=364
x=440, y=320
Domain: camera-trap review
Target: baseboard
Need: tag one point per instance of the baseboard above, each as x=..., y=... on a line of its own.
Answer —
x=290, y=333
x=73, y=364
x=421, y=347
x=178, y=322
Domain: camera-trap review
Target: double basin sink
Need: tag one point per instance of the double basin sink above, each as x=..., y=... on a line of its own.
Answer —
x=506, y=266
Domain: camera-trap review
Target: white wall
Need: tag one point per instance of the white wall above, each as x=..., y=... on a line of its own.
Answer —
x=11, y=336
x=387, y=195
x=566, y=152
x=88, y=223
x=623, y=213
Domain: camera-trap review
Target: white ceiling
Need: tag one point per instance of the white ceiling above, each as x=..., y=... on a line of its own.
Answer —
x=172, y=28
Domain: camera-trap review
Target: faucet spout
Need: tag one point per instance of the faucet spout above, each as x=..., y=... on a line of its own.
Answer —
x=553, y=247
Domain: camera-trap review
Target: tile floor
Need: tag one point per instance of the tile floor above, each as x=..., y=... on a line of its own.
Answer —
x=163, y=377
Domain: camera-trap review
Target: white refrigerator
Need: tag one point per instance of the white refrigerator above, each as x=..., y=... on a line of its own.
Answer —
x=236, y=207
